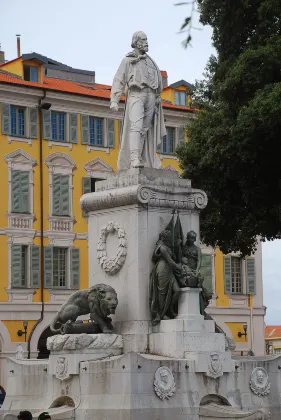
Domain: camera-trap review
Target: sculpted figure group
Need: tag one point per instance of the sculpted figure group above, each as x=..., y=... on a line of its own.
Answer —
x=177, y=264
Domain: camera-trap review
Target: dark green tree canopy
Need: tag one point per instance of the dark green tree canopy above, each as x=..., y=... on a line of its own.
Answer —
x=234, y=148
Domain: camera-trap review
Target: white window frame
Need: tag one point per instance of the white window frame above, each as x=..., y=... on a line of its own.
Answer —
x=62, y=164
x=21, y=294
x=19, y=160
x=68, y=273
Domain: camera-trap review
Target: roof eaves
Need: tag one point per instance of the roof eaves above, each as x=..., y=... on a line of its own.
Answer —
x=69, y=69
x=182, y=83
x=8, y=73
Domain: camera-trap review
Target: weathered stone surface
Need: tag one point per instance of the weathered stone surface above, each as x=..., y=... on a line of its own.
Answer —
x=83, y=341
x=123, y=387
x=144, y=186
x=215, y=411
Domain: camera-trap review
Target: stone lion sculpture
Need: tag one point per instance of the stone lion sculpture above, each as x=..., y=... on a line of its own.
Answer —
x=99, y=301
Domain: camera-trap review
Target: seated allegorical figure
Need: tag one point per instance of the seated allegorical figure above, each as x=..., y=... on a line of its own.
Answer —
x=191, y=262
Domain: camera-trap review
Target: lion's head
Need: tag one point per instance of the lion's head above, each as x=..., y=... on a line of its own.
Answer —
x=104, y=299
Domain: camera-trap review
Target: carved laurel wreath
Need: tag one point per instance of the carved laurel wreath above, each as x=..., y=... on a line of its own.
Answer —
x=112, y=265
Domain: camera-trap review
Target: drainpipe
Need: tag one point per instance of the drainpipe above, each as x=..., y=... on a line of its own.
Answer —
x=251, y=320
x=40, y=107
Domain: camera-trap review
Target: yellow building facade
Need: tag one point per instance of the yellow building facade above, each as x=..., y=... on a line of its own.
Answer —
x=58, y=137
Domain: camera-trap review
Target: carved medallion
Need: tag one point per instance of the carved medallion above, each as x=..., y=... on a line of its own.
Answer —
x=112, y=265
x=62, y=368
x=164, y=383
x=259, y=382
x=215, y=367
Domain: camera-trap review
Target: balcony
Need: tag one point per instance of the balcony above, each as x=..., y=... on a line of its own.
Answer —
x=61, y=223
x=20, y=221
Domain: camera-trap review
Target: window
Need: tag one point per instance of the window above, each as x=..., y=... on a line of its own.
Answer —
x=25, y=266
x=17, y=123
x=96, y=131
x=206, y=271
x=180, y=97
x=88, y=186
x=61, y=200
x=239, y=275
x=62, y=267
x=168, y=141
x=236, y=275
x=20, y=192
x=59, y=267
x=58, y=126
x=277, y=351
x=30, y=73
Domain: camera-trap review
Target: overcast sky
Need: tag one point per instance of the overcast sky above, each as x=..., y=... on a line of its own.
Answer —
x=95, y=35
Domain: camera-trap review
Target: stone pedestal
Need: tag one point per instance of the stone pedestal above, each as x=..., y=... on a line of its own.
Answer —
x=68, y=350
x=139, y=203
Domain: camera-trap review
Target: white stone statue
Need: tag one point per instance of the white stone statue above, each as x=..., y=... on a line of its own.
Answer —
x=20, y=352
x=143, y=125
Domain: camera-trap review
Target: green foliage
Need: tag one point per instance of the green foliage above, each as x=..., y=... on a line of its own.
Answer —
x=234, y=150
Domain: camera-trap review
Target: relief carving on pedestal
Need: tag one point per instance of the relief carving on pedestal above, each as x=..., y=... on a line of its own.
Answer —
x=259, y=382
x=164, y=383
x=215, y=366
x=112, y=265
x=62, y=368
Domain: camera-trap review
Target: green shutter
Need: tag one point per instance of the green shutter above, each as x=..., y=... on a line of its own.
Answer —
x=48, y=266
x=35, y=266
x=85, y=129
x=181, y=135
x=73, y=128
x=86, y=185
x=47, y=125
x=24, y=192
x=74, y=268
x=110, y=130
x=16, y=268
x=6, y=119
x=120, y=132
x=227, y=274
x=251, y=276
x=60, y=195
x=206, y=271
x=64, y=195
x=56, y=195
x=33, y=123
x=16, y=191
x=86, y=188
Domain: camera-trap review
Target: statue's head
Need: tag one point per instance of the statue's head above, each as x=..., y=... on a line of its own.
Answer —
x=139, y=41
x=166, y=237
x=191, y=237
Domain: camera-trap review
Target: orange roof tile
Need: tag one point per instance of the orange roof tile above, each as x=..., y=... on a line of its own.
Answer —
x=273, y=331
x=80, y=88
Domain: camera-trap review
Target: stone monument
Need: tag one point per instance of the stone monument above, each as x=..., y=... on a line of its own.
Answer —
x=161, y=356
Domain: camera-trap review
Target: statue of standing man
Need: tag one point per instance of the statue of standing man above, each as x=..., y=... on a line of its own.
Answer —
x=143, y=126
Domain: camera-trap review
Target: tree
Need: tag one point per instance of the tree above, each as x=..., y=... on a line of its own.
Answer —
x=234, y=148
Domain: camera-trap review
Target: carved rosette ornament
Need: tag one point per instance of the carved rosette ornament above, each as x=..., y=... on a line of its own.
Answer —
x=112, y=265
x=62, y=368
x=164, y=383
x=259, y=382
x=215, y=366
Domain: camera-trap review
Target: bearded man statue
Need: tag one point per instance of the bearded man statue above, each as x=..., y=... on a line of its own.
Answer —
x=143, y=127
